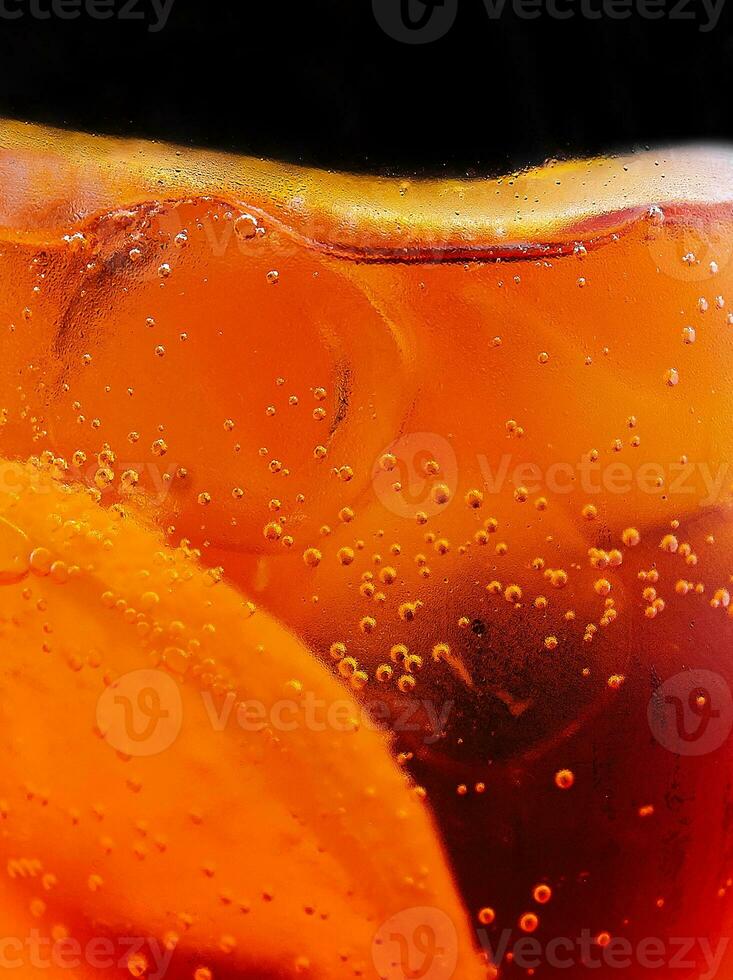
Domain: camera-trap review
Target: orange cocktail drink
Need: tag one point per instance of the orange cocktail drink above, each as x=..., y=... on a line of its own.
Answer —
x=366, y=556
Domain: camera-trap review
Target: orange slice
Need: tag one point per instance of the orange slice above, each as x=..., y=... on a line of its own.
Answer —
x=178, y=768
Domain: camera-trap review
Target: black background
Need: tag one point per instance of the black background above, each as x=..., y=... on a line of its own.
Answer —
x=319, y=81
